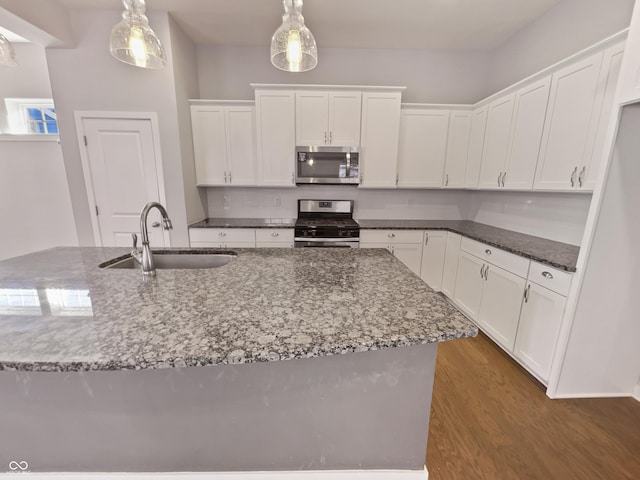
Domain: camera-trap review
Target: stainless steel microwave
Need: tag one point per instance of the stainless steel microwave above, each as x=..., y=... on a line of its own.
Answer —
x=328, y=165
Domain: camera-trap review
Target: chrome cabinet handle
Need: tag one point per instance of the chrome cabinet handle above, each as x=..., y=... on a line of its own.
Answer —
x=504, y=175
x=225, y=177
x=482, y=271
x=527, y=291
x=547, y=275
x=499, y=175
x=325, y=138
x=446, y=183
x=486, y=273
x=330, y=137
x=573, y=177
x=487, y=251
x=426, y=239
x=274, y=234
x=397, y=177
x=581, y=176
x=229, y=177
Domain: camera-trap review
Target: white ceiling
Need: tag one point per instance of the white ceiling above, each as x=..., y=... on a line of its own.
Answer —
x=427, y=24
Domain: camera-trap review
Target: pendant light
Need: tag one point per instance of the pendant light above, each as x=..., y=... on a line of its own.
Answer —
x=132, y=40
x=7, y=53
x=293, y=47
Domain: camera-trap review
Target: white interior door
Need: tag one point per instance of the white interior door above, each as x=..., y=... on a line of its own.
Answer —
x=122, y=159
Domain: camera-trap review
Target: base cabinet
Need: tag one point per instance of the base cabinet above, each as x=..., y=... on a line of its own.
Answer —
x=450, y=268
x=469, y=282
x=433, y=258
x=406, y=245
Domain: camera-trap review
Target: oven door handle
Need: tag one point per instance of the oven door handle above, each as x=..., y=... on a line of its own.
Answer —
x=318, y=240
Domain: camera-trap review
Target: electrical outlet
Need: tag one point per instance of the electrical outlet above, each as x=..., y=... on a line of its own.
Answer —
x=278, y=201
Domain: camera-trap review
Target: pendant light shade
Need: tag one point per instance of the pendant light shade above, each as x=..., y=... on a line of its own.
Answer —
x=293, y=47
x=132, y=40
x=7, y=53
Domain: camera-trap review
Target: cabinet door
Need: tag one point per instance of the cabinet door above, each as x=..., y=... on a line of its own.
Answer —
x=345, y=111
x=457, y=149
x=496, y=142
x=312, y=118
x=410, y=254
x=433, y=253
x=469, y=283
x=500, y=307
x=379, y=141
x=209, y=144
x=450, y=269
x=526, y=134
x=476, y=144
x=275, y=126
x=241, y=150
x=422, y=149
x=538, y=330
x=611, y=63
x=568, y=135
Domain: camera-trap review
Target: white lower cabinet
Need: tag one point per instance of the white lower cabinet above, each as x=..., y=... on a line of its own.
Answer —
x=469, y=282
x=541, y=317
x=500, y=306
x=433, y=257
x=450, y=269
x=222, y=237
x=406, y=245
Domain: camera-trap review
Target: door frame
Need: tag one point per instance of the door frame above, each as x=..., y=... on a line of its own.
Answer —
x=80, y=116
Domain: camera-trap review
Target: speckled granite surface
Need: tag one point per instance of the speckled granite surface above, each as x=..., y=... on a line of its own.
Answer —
x=267, y=305
x=549, y=252
x=245, y=223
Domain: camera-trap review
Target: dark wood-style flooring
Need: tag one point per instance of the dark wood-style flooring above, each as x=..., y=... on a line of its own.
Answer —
x=491, y=420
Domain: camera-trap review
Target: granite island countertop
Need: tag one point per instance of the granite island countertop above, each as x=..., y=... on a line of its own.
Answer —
x=68, y=314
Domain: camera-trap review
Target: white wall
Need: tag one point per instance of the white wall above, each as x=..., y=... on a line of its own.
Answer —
x=430, y=76
x=382, y=204
x=185, y=71
x=566, y=29
x=30, y=79
x=35, y=207
x=557, y=216
x=88, y=78
x=602, y=355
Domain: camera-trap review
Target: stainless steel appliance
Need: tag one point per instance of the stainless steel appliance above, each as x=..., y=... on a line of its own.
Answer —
x=326, y=223
x=327, y=165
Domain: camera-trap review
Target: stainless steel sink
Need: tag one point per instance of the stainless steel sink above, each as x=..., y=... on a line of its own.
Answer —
x=171, y=260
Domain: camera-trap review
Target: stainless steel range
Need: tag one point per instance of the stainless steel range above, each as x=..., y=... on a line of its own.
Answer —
x=326, y=223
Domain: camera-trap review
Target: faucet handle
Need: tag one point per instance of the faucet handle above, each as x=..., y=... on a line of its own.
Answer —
x=167, y=224
x=134, y=237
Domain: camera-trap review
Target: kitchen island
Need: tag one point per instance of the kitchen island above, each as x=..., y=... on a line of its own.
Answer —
x=185, y=372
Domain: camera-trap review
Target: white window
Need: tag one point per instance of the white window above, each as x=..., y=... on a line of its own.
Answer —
x=32, y=116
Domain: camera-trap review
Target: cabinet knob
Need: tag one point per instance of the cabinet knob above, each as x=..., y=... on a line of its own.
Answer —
x=547, y=275
x=391, y=235
x=222, y=234
x=487, y=251
x=274, y=234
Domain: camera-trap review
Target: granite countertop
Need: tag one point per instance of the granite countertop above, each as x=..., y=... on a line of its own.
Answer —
x=245, y=223
x=555, y=254
x=67, y=314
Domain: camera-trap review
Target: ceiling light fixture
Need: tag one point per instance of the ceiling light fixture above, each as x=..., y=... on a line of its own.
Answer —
x=132, y=40
x=7, y=53
x=293, y=47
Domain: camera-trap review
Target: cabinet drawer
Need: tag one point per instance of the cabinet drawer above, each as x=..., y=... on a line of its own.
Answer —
x=274, y=235
x=224, y=235
x=551, y=278
x=391, y=236
x=508, y=261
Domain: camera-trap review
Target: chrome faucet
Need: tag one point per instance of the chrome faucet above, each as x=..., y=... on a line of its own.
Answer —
x=146, y=258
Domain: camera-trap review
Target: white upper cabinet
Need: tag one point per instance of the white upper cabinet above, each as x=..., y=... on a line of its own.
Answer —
x=224, y=145
x=379, y=139
x=609, y=74
x=422, y=149
x=476, y=144
x=276, y=137
x=572, y=120
x=460, y=125
x=328, y=118
x=496, y=142
x=526, y=134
